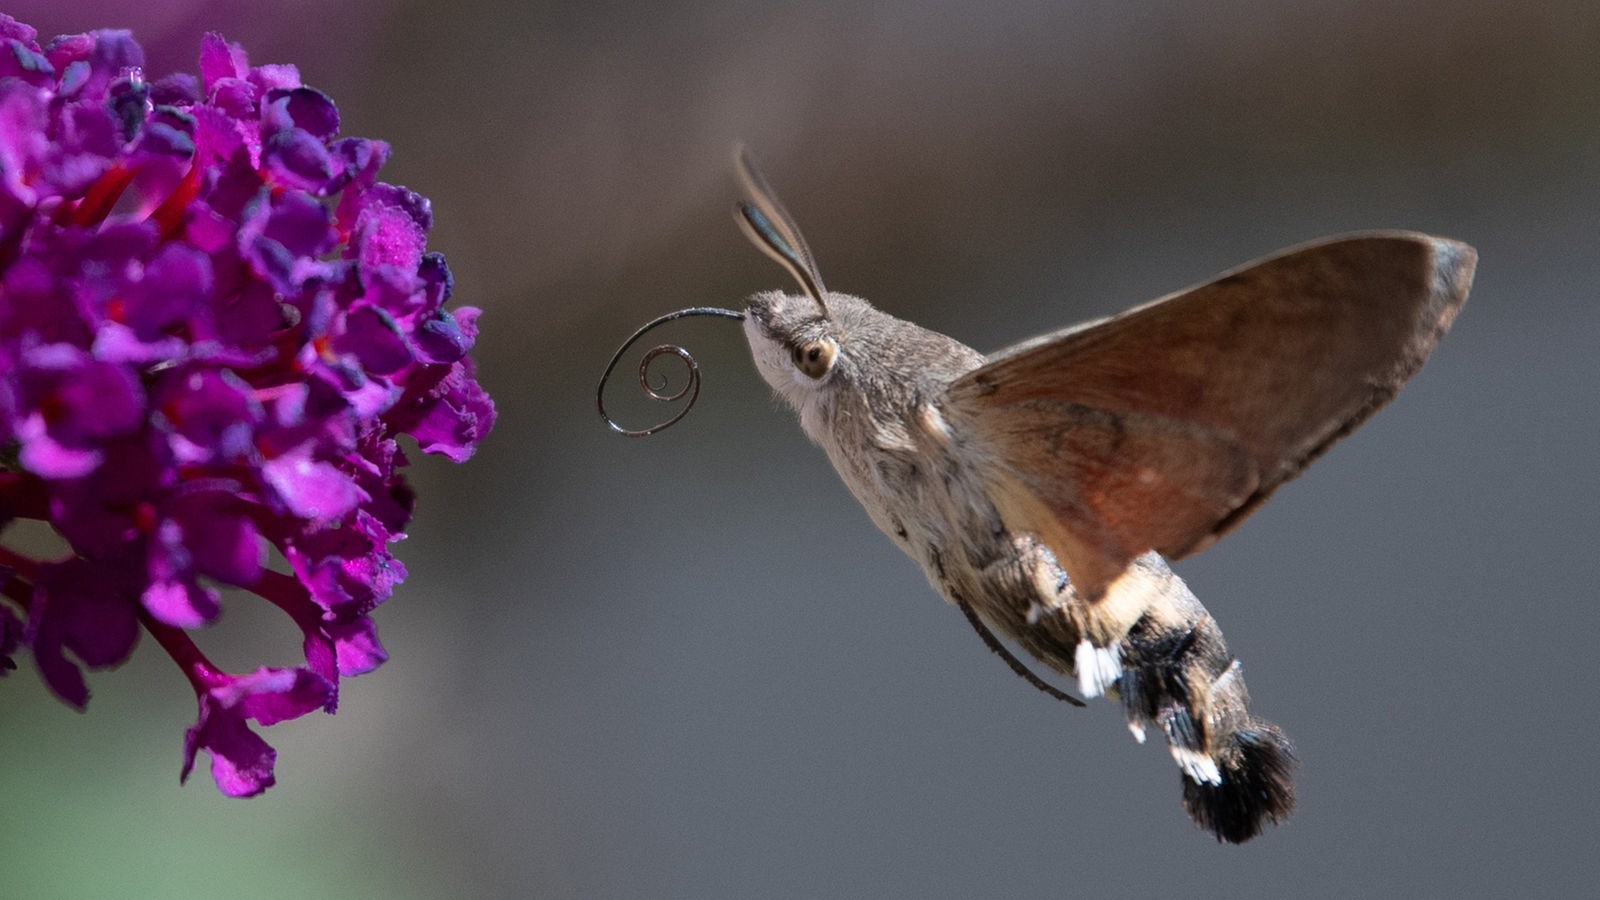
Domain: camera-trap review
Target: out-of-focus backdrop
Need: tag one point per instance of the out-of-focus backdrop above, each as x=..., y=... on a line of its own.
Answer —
x=688, y=666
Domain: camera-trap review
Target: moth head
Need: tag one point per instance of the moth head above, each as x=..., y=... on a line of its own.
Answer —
x=794, y=342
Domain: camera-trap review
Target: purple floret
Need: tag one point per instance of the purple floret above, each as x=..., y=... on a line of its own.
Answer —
x=215, y=323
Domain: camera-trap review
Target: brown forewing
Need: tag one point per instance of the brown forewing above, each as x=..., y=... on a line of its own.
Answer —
x=1163, y=427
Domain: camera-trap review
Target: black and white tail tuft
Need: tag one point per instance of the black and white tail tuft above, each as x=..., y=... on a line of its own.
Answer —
x=1254, y=766
x=1178, y=677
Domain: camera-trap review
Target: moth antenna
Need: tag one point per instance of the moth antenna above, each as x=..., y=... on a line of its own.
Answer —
x=691, y=389
x=770, y=227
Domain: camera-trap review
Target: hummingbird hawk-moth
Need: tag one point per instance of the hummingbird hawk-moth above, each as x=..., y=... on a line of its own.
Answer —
x=1042, y=488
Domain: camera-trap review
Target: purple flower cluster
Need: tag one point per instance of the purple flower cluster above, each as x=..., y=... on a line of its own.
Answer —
x=215, y=321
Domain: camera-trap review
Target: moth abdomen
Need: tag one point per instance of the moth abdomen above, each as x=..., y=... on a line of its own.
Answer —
x=1179, y=676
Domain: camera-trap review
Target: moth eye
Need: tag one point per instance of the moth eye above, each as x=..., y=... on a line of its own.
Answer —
x=815, y=358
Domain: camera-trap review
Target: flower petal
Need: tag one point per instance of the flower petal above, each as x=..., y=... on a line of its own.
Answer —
x=312, y=489
x=81, y=607
x=241, y=762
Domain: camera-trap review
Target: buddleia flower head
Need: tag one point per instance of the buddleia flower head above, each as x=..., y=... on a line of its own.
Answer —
x=216, y=323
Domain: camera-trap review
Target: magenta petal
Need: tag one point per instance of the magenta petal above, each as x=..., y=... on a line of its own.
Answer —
x=372, y=397
x=440, y=339
x=228, y=548
x=77, y=402
x=322, y=660
x=418, y=207
x=11, y=29
x=19, y=61
x=302, y=225
x=309, y=109
x=271, y=695
x=347, y=569
x=101, y=513
x=455, y=417
x=312, y=489
x=175, y=282
x=63, y=677
x=323, y=580
x=81, y=607
x=241, y=762
x=372, y=336
x=389, y=235
x=220, y=59
x=222, y=542
x=106, y=398
x=44, y=456
x=175, y=89
x=181, y=603
x=173, y=595
x=117, y=343
x=36, y=304
x=356, y=643
x=80, y=397
x=275, y=77
x=297, y=160
x=213, y=415
x=106, y=53
x=96, y=622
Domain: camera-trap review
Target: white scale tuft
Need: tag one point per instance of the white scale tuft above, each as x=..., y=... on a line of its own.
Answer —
x=1198, y=766
x=1098, y=668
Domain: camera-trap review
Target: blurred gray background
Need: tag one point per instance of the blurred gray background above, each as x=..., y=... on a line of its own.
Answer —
x=688, y=666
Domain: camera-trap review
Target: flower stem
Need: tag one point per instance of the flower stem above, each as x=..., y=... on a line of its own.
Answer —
x=288, y=594
x=201, y=672
x=170, y=214
x=99, y=199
